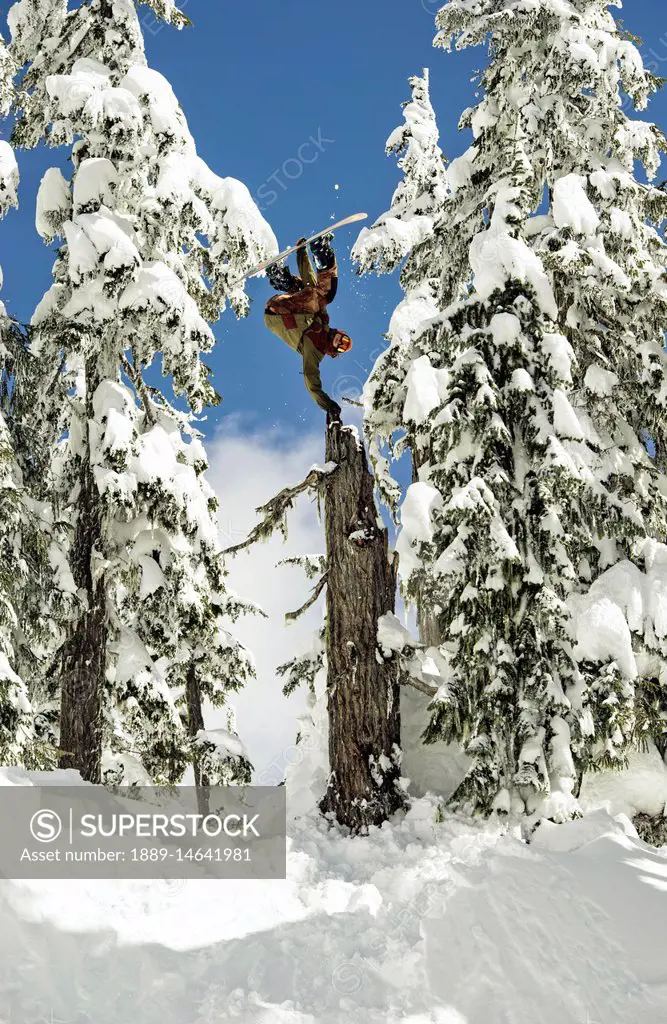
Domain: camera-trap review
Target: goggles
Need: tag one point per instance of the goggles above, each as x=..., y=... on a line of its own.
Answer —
x=342, y=342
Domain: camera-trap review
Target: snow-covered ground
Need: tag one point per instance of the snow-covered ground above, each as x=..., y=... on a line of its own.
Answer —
x=421, y=923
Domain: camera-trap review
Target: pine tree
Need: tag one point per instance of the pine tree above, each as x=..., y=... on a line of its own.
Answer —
x=527, y=493
x=411, y=231
x=133, y=284
x=408, y=231
x=601, y=245
x=19, y=536
x=16, y=719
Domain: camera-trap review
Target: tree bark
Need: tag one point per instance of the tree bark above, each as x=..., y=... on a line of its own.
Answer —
x=427, y=623
x=363, y=689
x=84, y=656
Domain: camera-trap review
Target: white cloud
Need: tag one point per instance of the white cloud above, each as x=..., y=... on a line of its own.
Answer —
x=248, y=468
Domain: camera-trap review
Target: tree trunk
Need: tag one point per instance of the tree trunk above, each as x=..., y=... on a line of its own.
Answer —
x=195, y=725
x=363, y=690
x=84, y=656
x=427, y=624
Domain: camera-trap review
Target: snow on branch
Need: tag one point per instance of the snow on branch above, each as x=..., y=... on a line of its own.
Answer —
x=418, y=200
x=304, y=667
x=137, y=380
x=422, y=669
x=166, y=10
x=312, y=565
x=275, y=511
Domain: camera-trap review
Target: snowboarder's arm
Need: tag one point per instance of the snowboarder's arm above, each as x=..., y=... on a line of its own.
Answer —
x=313, y=378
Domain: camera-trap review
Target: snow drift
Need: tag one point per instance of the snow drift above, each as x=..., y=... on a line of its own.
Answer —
x=420, y=923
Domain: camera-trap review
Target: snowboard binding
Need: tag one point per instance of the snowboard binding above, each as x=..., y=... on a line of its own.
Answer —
x=323, y=253
x=282, y=279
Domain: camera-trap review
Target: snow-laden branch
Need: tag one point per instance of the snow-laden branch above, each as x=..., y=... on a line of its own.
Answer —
x=304, y=668
x=137, y=380
x=313, y=565
x=418, y=684
x=419, y=667
x=275, y=511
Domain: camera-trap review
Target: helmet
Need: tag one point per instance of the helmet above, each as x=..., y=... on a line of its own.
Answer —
x=340, y=341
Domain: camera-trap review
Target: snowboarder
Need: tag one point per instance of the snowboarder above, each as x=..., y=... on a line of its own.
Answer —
x=299, y=315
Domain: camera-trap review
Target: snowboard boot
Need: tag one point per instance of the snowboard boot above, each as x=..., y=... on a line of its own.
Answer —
x=282, y=279
x=323, y=253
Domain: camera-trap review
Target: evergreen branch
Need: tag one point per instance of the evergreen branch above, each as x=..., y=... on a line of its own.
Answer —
x=312, y=565
x=303, y=669
x=316, y=591
x=174, y=17
x=417, y=684
x=140, y=386
x=75, y=21
x=275, y=511
x=620, y=380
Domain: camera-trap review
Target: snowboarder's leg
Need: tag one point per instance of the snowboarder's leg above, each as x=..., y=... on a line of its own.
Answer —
x=323, y=253
x=273, y=323
x=282, y=279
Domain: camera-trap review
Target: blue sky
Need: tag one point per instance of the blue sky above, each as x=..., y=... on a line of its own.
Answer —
x=257, y=81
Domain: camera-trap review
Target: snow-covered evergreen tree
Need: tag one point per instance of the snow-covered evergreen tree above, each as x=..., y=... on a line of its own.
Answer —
x=410, y=231
x=16, y=719
x=133, y=284
x=17, y=527
x=601, y=245
x=527, y=399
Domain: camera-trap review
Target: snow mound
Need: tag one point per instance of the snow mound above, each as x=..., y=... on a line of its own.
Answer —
x=496, y=255
x=447, y=923
x=640, y=789
x=223, y=742
x=53, y=203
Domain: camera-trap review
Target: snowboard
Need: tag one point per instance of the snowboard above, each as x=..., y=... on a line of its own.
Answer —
x=260, y=268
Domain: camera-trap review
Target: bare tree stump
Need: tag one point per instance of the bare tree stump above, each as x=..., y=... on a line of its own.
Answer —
x=363, y=688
